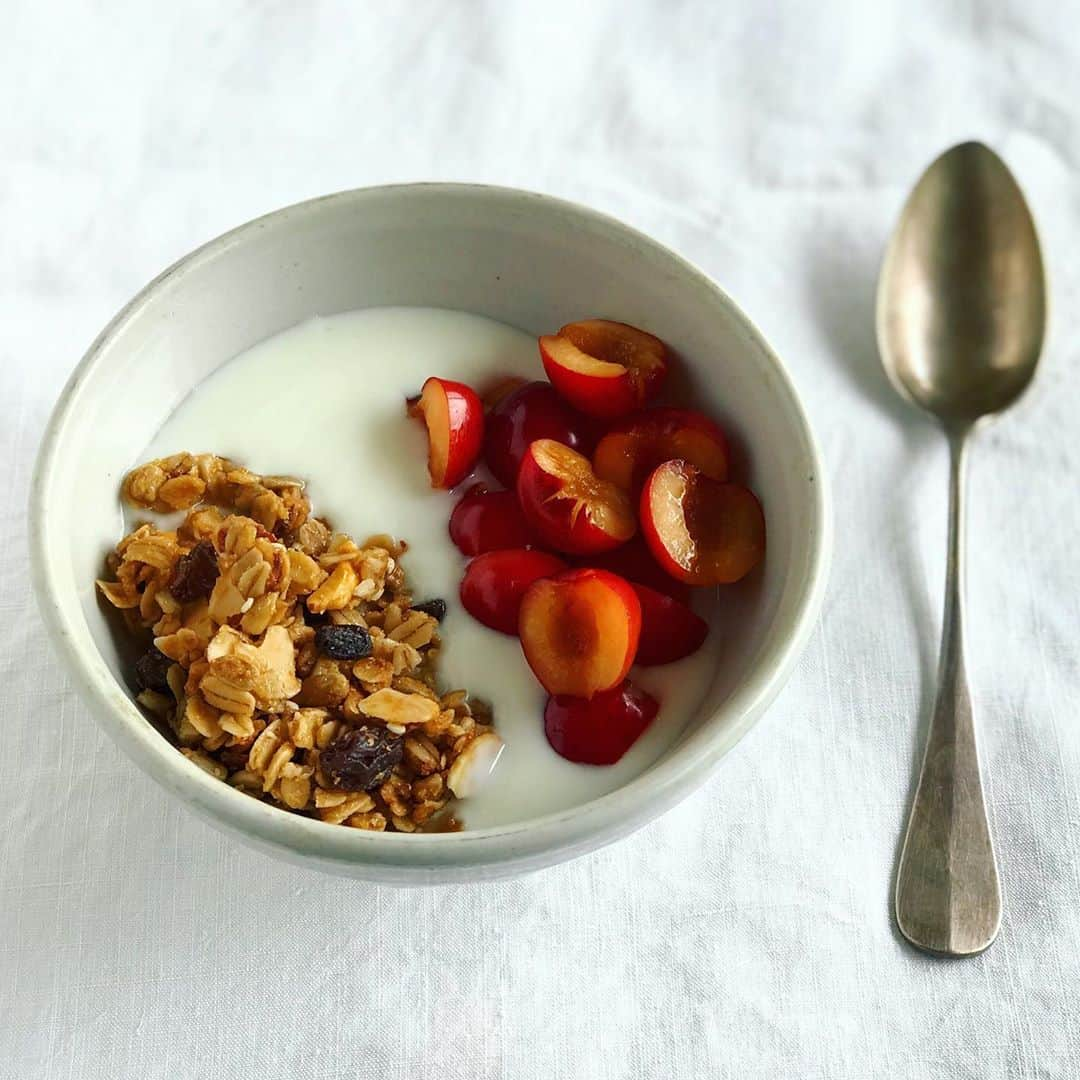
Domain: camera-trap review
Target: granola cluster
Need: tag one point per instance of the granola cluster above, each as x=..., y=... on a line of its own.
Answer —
x=288, y=660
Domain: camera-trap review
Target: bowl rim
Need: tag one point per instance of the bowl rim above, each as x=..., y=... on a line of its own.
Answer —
x=560, y=834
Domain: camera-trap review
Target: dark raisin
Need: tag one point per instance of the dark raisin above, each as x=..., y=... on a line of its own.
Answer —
x=195, y=573
x=435, y=608
x=150, y=671
x=343, y=642
x=361, y=759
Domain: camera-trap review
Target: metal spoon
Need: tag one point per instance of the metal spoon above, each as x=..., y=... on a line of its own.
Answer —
x=961, y=313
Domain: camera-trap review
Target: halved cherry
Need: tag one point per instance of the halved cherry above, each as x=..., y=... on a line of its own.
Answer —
x=454, y=417
x=598, y=731
x=669, y=630
x=488, y=520
x=495, y=582
x=700, y=530
x=530, y=412
x=579, y=631
x=567, y=505
x=634, y=561
x=604, y=368
x=635, y=446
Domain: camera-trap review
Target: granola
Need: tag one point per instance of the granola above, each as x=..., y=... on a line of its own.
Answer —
x=288, y=660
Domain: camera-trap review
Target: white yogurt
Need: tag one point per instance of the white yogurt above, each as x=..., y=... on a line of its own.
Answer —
x=325, y=401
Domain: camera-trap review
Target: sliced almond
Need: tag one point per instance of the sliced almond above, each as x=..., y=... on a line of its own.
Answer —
x=224, y=643
x=393, y=707
x=474, y=765
x=336, y=591
x=273, y=677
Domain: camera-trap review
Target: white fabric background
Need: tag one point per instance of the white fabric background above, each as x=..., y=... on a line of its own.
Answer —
x=746, y=934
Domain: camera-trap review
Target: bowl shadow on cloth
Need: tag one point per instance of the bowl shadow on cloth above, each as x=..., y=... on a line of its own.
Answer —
x=842, y=289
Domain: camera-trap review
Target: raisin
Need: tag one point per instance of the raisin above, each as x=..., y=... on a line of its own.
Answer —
x=435, y=608
x=150, y=671
x=195, y=573
x=361, y=759
x=343, y=642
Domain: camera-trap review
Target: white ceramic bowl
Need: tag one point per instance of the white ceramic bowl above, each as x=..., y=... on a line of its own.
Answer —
x=528, y=260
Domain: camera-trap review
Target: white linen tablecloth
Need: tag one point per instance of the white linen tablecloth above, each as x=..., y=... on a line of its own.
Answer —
x=747, y=933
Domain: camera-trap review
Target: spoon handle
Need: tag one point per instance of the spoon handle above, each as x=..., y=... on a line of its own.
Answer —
x=948, y=900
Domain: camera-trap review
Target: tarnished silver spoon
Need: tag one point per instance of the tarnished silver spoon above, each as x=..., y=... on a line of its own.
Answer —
x=961, y=314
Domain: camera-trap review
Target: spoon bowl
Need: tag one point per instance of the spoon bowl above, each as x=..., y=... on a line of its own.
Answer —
x=961, y=305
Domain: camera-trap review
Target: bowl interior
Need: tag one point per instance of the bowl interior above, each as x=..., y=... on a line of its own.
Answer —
x=529, y=261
